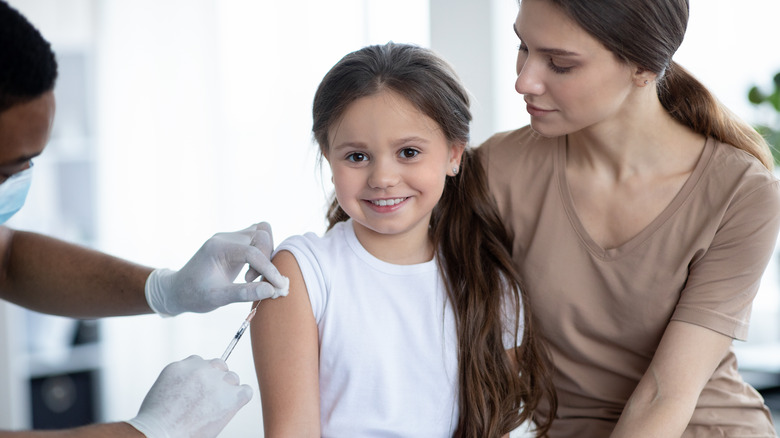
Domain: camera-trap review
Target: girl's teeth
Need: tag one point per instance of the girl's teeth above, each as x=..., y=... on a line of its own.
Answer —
x=386, y=202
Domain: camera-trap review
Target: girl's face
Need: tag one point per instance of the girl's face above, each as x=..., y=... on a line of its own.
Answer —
x=568, y=79
x=389, y=163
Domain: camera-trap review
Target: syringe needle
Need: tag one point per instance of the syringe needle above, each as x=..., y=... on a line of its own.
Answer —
x=240, y=332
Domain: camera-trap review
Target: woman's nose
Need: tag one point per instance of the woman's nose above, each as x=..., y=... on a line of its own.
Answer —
x=528, y=79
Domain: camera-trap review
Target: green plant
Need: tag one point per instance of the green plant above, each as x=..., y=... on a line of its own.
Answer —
x=771, y=129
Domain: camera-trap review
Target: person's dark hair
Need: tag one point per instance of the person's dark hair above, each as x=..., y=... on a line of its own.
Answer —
x=28, y=68
x=497, y=393
x=647, y=34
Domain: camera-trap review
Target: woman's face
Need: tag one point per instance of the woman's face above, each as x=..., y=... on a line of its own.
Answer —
x=568, y=79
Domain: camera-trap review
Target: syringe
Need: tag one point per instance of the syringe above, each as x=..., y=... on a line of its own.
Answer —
x=240, y=332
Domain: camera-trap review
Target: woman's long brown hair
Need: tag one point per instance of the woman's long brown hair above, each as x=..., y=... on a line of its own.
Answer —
x=498, y=391
x=647, y=33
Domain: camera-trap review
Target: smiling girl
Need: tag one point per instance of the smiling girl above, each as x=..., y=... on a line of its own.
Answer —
x=406, y=318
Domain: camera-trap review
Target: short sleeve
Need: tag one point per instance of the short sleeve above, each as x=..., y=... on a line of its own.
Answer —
x=723, y=282
x=312, y=270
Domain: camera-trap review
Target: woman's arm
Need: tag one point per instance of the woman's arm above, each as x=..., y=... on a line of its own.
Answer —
x=285, y=345
x=664, y=400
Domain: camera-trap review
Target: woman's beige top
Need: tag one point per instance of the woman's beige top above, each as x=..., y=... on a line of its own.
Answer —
x=603, y=311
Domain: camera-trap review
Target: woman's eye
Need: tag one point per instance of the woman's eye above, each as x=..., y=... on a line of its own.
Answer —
x=558, y=69
x=356, y=157
x=522, y=47
x=409, y=153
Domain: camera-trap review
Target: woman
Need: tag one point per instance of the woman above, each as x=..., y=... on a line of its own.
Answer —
x=643, y=217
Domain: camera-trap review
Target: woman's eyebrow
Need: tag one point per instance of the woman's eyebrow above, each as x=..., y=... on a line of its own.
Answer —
x=549, y=51
x=558, y=52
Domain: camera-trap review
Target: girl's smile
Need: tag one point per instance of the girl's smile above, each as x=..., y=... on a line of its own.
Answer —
x=387, y=204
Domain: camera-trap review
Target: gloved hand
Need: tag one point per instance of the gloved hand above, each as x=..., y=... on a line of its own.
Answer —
x=206, y=281
x=191, y=398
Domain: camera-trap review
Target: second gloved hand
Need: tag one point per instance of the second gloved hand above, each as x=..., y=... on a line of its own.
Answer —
x=206, y=281
x=191, y=398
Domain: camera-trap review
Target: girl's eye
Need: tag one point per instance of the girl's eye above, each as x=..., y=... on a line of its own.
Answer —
x=356, y=157
x=409, y=153
x=522, y=48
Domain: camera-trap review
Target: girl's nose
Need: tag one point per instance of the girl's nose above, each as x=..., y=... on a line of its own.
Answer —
x=383, y=175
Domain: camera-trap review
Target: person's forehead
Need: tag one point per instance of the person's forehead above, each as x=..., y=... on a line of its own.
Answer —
x=25, y=129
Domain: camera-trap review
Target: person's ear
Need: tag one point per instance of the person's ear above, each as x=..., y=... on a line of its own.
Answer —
x=324, y=152
x=456, y=154
x=644, y=77
x=324, y=155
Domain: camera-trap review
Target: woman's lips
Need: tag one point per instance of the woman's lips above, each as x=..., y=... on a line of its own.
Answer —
x=536, y=111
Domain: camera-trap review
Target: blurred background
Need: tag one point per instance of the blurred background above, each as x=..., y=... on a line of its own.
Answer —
x=177, y=119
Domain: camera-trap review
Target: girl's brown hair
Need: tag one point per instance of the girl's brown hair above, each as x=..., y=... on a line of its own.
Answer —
x=647, y=33
x=498, y=392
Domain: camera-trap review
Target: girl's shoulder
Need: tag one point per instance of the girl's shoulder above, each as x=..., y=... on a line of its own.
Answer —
x=313, y=245
x=319, y=258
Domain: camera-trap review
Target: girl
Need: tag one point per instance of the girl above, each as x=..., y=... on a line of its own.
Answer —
x=406, y=318
x=643, y=216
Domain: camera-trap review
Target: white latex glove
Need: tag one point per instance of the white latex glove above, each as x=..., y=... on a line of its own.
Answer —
x=191, y=398
x=206, y=281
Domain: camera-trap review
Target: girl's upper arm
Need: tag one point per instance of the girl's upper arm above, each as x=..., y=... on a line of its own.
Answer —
x=664, y=400
x=286, y=354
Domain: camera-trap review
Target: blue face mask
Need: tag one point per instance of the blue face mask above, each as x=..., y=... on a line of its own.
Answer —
x=13, y=193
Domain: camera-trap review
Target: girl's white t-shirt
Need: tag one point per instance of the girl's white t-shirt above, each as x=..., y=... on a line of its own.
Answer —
x=387, y=340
